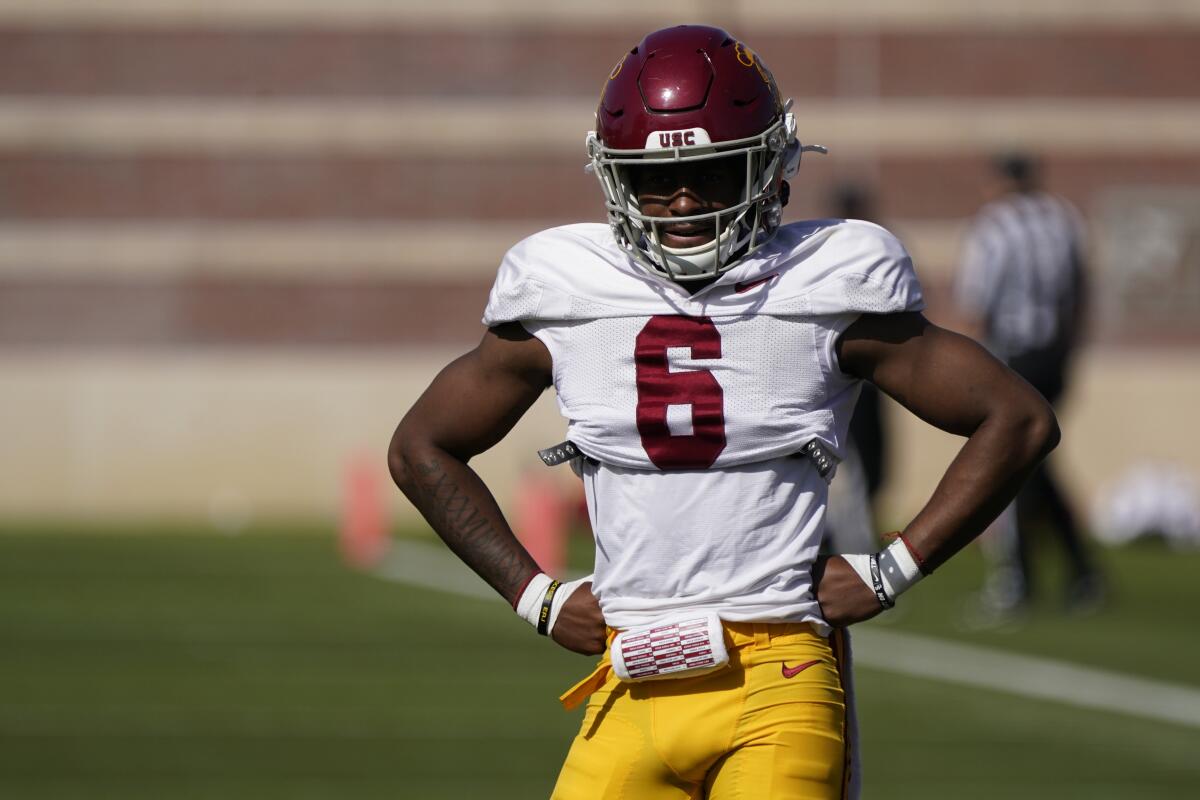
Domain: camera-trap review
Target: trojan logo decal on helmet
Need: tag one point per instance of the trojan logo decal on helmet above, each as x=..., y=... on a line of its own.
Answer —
x=692, y=93
x=617, y=69
x=745, y=55
x=749, y=58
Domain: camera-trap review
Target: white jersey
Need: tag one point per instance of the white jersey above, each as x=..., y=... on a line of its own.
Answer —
x=693, y=409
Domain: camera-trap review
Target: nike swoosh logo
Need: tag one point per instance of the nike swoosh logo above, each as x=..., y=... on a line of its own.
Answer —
x=745, y=287
x=791, y=672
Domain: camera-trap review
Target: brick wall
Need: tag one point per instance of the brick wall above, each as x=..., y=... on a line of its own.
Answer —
x=284, y=182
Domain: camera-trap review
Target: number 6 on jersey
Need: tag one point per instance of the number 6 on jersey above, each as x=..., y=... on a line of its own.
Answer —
x=658, y=387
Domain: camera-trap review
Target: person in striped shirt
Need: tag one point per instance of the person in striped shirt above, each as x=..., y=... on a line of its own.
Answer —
x=1022, y=289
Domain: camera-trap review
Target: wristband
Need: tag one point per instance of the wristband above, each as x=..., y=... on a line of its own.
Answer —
x=912, y=551
x=529, y=606
x=889, y=573
x=898, y=569
x=877, y=582
x=543, y=619
x=543, y=599
x=866, y=567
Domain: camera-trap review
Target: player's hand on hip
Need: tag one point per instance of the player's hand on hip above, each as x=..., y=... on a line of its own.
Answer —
x=580, y=625
x=841, y=593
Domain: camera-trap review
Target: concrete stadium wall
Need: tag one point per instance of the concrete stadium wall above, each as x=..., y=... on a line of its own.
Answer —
x=236, y=437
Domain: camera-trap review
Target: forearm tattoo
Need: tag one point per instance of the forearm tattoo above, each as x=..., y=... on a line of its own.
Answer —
x=493, y=552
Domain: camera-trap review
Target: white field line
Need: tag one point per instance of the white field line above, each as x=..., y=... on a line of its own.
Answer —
x=1030, y=676
x=505, y=127
x=902, y=653
x=419, y=564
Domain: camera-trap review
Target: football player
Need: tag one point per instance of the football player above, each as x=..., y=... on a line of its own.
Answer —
x=707, y=358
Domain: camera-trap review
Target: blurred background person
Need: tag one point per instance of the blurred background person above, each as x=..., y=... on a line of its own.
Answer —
x=1022, y=289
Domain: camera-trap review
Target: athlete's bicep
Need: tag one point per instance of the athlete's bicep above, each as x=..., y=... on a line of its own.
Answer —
x=476, y=399
x=943, y=377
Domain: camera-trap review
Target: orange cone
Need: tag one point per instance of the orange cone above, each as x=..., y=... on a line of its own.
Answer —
x=364, y=538
x=540, y=521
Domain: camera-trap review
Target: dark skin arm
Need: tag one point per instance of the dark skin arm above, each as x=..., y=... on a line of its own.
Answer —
x=953, y=383
x=946, y=379
x=470, y=406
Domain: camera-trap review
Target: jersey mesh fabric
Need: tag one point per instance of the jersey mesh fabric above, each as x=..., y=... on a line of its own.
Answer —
x=779, y=388
x=737, y=538
x=738, y=541
x=737, y=531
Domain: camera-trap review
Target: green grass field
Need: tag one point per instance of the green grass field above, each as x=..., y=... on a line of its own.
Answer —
x=191, y=665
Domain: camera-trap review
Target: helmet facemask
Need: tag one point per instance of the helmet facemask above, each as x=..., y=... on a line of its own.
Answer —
x=738, y=230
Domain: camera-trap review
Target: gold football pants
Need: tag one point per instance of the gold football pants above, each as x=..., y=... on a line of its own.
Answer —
x=769, y=726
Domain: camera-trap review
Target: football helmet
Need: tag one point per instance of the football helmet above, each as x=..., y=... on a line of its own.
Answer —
x=686, y=94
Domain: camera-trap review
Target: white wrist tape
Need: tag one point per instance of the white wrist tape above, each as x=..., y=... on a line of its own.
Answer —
x=861, y=564
x=562, y=596
x=532, y=604
x=889, y=573
x=529, y=607
x=899, y=569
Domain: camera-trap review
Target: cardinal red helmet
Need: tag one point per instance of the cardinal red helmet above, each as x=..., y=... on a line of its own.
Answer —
x=690, y=93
